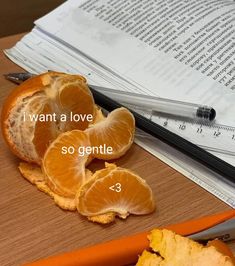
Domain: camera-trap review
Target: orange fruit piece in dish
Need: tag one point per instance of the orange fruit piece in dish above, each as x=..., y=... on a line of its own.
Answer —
x=114, y=191
x=63, y=167
x=116, y=131
x=39, y=109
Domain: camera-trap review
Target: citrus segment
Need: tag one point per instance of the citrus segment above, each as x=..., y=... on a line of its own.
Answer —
x=115, y=190
x=74, y=96
x=116, y=131
x=98, y=115
x=41, y=108
x=44, y=132
x=64, y=169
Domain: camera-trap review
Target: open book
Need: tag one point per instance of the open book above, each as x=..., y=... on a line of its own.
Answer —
x=176, y=49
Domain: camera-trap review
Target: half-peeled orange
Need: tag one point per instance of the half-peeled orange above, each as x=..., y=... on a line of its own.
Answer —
x=45, y=95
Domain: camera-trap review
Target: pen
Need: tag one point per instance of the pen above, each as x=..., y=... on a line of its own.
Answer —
x=160, y=105
x=192, y=150
x=154, y=104
x=181, y=144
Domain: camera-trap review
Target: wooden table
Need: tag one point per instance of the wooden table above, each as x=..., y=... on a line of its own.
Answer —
x=32, y=227
x=20, y=15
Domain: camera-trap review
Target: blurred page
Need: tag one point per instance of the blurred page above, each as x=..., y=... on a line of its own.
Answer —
x=182, y=50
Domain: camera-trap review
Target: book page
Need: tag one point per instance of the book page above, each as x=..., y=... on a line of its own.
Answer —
x=183, y=50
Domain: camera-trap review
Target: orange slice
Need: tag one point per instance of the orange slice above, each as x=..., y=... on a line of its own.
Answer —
x=41, y=108
x=114, y=190
x=116, y=131
x=98, y=115
x=63, y=167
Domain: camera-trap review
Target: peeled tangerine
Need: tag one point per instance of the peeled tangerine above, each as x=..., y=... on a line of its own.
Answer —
x=175, y=250
x=114, y=191
x=33, y=127
x=41, y=108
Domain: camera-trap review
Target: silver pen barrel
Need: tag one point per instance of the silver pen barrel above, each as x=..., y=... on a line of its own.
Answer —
x=160, y=105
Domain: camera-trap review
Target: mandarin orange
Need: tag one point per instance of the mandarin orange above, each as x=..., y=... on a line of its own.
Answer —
x=44, y=95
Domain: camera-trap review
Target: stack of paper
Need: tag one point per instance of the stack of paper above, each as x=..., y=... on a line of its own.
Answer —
x=174, y=49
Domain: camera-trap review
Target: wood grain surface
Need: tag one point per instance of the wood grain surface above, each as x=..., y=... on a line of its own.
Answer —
x=32, y=227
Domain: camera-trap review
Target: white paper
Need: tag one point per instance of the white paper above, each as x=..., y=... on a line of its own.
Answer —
x=201, y=175
x=151, y=69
